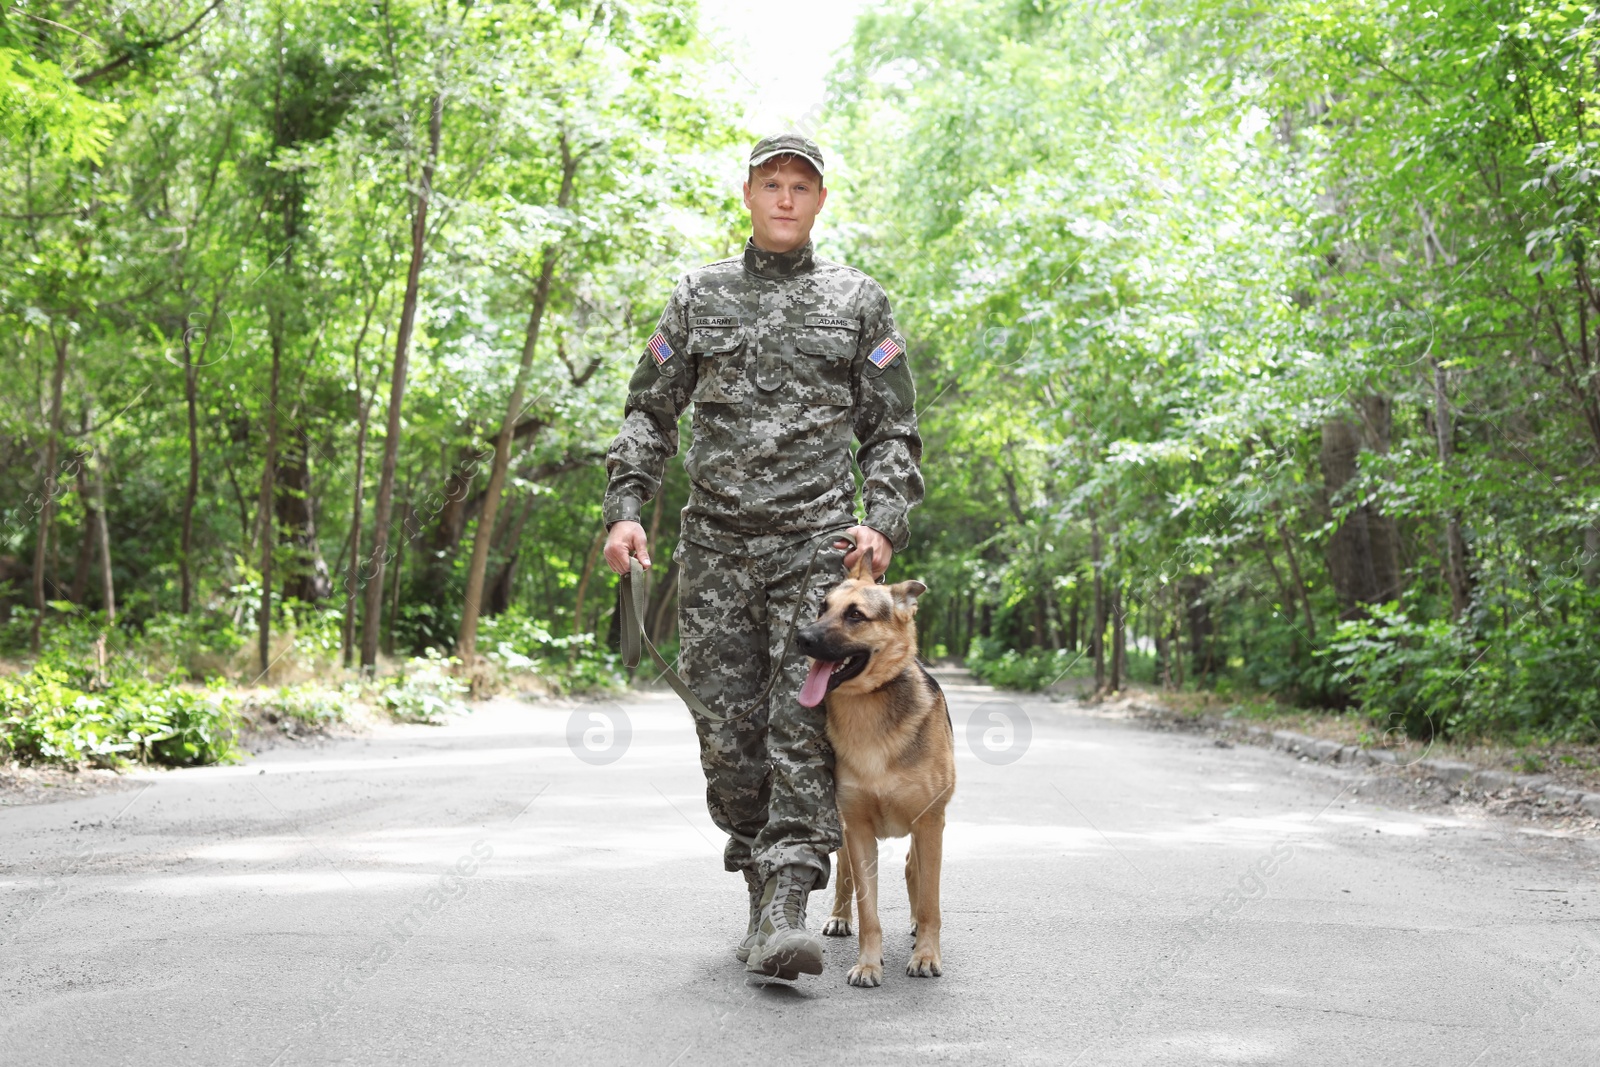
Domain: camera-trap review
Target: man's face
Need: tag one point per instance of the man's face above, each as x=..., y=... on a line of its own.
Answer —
x=784, y=196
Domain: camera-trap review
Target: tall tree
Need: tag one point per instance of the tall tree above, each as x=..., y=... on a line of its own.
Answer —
x=397, y=389
x=467, y=639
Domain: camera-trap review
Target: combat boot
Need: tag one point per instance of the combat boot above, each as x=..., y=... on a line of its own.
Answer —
x=752, y=882
x=783, y=947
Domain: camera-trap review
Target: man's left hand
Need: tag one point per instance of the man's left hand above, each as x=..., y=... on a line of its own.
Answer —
x=866, y=537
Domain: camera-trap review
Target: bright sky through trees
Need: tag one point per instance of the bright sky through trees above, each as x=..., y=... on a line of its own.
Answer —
x=779, y=56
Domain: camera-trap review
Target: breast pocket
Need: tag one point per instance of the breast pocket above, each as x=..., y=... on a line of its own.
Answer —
x=821, y=367
x=717, y=353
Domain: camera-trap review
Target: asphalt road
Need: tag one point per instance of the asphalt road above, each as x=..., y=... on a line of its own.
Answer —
x=476, y=893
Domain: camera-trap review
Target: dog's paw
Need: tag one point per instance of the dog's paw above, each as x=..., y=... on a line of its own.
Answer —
x=836, y=927
x=923, y=964
x=866, y=975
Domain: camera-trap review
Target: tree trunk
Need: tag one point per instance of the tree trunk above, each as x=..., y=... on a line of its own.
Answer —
x=1350, y=547
x=353, y=575
x=47, y=509
x=1285, y=598
x=1179, y=661
x=450, y=521
x=1119, y=640
x=971, y=627
x=663, y=615
x=1455, y=547
x=583, y=581
x=1377, y=424
x=500, y=592
x=192, y=491
x=1197, y=613
x=467, y=640
x=108, y=590
x=399, y=573
x=307, y=578
x=502, y=589
x=86, y=541
x=1299, y=583
x=269, y=471
x=397, y=393
x=1591, y=555
x=1210, y=668
x=1163, y=671
x=613, y=641
x=1097, y=635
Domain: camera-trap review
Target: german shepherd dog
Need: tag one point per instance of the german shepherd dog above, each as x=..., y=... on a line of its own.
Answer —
x=896, y=765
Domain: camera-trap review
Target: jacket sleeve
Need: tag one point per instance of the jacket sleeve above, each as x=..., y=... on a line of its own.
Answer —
x=890, y=455
x=657, y=394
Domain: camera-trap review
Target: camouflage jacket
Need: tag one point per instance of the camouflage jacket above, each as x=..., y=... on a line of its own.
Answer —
x=785, y=358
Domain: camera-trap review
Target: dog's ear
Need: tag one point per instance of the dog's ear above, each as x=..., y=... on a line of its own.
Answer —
x=862, y=571
x=905, y=595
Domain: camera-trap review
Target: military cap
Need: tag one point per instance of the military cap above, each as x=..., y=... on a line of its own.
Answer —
x=786, y=144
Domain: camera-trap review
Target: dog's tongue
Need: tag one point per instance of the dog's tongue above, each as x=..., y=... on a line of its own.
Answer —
x=816, y=686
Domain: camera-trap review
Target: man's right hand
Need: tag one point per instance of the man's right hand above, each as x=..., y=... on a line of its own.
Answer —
x=626, y=539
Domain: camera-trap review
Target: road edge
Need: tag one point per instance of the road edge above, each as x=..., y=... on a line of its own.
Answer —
x=1450, y=772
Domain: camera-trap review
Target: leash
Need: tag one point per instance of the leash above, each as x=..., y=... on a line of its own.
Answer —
x=631, y=602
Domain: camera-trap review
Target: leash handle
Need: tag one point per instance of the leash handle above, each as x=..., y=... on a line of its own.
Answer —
x=630, y=594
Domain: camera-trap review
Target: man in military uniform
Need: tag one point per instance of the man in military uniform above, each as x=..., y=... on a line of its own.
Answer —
x=785, y=357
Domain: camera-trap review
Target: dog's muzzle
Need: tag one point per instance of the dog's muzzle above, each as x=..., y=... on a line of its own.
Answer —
x=830, y=664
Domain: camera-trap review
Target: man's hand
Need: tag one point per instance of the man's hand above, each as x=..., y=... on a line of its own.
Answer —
x=626, y=539
x=866, y=537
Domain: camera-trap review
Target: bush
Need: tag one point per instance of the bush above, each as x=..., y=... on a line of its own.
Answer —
x=426, y=624
x=1403, y=674
x=45, y=717
x=514, y=642
x=424, y=691
x=310, y=707
x=198, y=645
x=1029, y=670
x=1532, y=675
x=16, y=633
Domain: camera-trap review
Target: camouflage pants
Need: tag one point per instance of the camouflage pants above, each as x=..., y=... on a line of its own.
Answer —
x=769, y=776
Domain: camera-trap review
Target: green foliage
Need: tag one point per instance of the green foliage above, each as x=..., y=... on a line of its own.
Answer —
x=1242, y=306
x=309, y=707
x=587, y=667
x=424, y=690
x=516, y=642
x=200, y=633
x=426, y=625
x=255, y=172
x=16, y=632
x=39, y=103
x=200, y=645
x=1029, y=670
x=1240, y=314
x=47, y=717
x=1525, y=678
x=1406, y=675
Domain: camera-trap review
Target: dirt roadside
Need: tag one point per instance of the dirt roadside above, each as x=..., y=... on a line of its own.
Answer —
x=1441, y=776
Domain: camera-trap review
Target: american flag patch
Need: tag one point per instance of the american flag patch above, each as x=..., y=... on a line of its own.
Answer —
x=659, y=349
x=884, y=354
